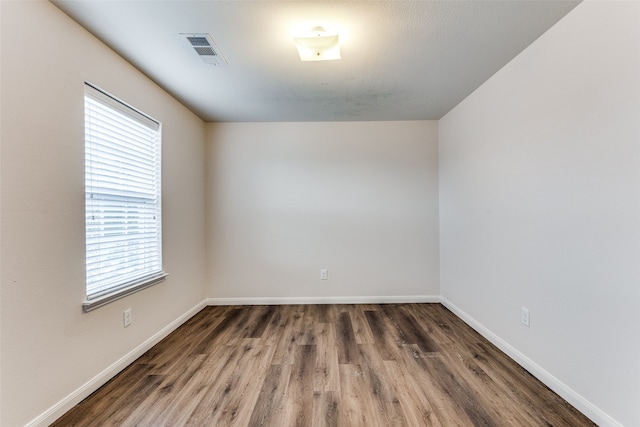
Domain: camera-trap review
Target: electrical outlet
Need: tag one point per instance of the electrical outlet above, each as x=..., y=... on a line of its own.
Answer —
x=324, y=274
x=127, y=317
x=524, y=317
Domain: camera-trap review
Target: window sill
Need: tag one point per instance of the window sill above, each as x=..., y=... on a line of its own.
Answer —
x=98, y=302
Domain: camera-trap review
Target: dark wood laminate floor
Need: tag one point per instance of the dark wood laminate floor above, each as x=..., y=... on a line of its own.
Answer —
x=324, y=365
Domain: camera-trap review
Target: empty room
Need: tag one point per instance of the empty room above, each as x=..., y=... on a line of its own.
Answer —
x=292, y=213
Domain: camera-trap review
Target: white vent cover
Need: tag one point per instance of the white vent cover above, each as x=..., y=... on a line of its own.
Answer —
x=206, y=49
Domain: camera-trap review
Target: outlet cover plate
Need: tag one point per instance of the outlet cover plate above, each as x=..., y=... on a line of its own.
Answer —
x=127, y=317
x=524, y=317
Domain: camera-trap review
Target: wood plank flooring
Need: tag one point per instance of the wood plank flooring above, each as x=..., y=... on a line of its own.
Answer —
x=324, y=365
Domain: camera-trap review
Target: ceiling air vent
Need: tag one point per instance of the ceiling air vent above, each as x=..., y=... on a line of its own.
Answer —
x=205, y=48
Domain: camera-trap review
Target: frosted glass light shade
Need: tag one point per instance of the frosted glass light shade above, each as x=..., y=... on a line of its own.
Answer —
x=318, y=45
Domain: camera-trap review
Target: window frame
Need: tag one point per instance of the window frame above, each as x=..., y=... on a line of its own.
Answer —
x=98, y=295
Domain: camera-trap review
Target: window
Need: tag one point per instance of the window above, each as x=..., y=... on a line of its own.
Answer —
x=122, y=199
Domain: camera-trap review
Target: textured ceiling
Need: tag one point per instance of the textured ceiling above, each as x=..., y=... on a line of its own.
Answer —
x=401, y=60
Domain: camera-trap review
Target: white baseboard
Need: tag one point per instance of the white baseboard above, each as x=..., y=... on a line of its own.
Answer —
x=580, y=403
x=60, y=408
x=325, y=300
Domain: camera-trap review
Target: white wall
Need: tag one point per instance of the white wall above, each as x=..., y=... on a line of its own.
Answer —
x=357, y=198
x=540, y=207
x=50, y=348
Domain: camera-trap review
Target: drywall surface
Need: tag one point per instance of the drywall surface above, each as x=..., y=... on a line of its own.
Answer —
x=50, y=347
x=540, y=205
x=286, y=200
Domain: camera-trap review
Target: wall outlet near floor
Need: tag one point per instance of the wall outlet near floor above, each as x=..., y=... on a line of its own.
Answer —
x=324, y=274
x=127, y=317
x=524, y=317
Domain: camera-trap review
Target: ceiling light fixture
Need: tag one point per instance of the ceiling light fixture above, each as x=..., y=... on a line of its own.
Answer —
x=318, y=45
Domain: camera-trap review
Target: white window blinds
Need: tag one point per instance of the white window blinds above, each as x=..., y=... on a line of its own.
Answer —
x=123, y=207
